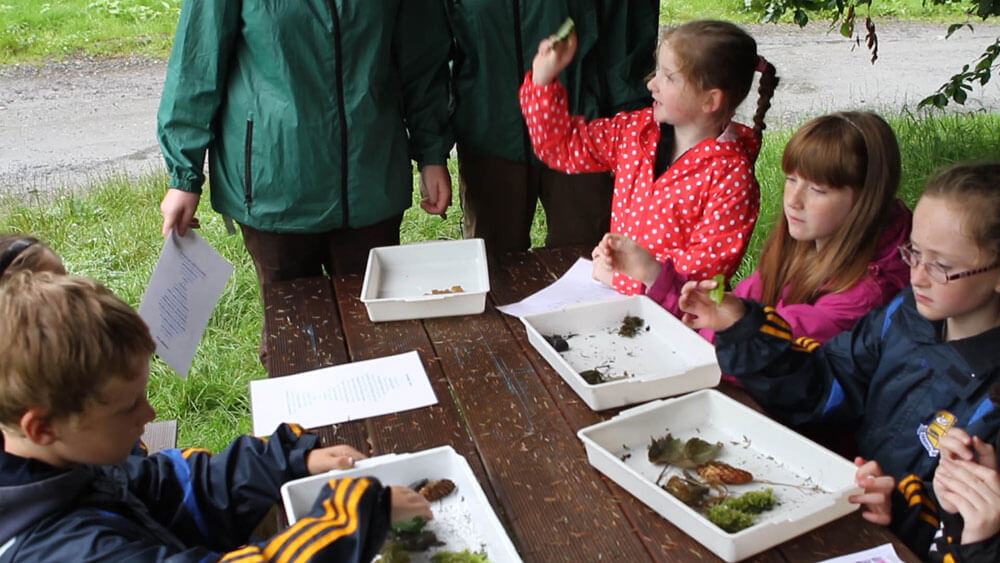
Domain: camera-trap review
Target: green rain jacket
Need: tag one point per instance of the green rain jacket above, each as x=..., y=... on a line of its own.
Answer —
x=493, y=50
x=309, y=109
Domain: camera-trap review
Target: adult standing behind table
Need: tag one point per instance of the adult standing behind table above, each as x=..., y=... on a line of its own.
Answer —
x=501, y=180
x=310, y=112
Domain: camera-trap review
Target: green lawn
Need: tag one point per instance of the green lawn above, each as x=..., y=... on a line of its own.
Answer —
x=111, y=232
x=36, y=30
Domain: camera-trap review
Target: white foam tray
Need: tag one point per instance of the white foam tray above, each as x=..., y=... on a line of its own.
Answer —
x=752, y=442
x=463, y=519
x=399, y=280
x=667, y=359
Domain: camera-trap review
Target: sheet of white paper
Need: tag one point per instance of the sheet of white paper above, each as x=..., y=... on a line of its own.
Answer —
x=577, y=285
x=881, y=554
x=186, y=284
x=340, y=393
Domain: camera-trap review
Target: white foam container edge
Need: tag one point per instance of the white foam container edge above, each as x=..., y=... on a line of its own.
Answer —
x=399, y=280
x=694, y=364
x=442, y=462
x=720, y=417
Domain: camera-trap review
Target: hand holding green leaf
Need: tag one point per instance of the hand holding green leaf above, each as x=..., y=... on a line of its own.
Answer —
x=720, y=290
x=564, y=30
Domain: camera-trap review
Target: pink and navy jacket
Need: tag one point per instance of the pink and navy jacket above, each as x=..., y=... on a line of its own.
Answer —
x=832, y=313
x=699, y=214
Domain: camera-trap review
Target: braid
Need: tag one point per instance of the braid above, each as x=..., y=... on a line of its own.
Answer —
x=768, y=82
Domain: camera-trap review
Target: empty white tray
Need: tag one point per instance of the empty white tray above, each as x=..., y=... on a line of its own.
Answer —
x=463, y=519
x=400, y=281
x=751, y=441
x=664, y=358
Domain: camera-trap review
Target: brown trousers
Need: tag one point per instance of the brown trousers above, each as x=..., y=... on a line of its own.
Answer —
x=285, y=256
x=499, y=197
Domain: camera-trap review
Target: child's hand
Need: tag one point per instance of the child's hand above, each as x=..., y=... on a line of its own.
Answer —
x=957, y=444
x=552, y=57
x=602, y=270
x=407, y=504
x=622, y=254
x=877, y=498
x=435, y=189
x=957, y=447
x=701, y=312
x=321, y=460
x=972, y=490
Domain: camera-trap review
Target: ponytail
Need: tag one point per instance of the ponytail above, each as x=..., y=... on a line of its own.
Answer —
x=765, y=91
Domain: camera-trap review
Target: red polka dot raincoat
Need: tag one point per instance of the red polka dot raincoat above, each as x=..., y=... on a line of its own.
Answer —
x=700, y=212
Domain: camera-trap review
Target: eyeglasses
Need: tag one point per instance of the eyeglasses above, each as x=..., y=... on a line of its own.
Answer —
x=937, y=272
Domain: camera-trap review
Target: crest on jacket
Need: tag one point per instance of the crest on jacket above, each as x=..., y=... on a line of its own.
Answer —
x=930, y=434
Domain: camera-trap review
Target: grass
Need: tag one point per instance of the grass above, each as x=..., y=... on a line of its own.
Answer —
x=750, y=11
x=111, y=232
x=33, y=31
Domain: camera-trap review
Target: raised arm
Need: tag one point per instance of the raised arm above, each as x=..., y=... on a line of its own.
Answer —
x=567, y=143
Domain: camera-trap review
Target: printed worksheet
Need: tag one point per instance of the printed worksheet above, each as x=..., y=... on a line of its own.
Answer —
x=577, y=285
x=187, y=282
x=341, y=393
x=881, y=554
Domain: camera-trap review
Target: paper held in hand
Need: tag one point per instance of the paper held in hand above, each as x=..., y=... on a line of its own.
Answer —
x=186, y=284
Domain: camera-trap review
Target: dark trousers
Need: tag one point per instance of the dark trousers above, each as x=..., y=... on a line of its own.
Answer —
x=285, y=256
x=499, y=197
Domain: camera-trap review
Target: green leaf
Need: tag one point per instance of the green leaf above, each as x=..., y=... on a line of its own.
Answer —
x=847, y=29
x=564, y=30
x=719, y=292
x=698, y=452
x=666, y=451
x=800, y=17
x=412, y=525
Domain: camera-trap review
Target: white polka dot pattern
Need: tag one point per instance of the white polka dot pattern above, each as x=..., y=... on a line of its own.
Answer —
x=700, y=212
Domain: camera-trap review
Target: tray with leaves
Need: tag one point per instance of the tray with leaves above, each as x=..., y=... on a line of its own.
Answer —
x=728, y=476
x=464, y=527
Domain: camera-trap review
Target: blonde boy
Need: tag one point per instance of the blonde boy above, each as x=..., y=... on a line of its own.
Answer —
x=74, y=364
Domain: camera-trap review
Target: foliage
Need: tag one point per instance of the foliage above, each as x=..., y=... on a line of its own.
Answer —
x=845, y=14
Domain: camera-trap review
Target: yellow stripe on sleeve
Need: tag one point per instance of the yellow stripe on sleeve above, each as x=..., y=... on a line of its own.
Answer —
x=771, y=315
x=284, y=547
x=247, y=554
x=351, y=511
x=188, y=452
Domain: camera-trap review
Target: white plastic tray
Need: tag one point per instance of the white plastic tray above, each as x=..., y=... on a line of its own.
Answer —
x=463, y=519
x=667, y=359
x=752, y=442
x=400, y=280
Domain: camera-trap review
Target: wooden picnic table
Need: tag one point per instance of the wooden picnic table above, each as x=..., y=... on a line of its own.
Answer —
x=514, y=419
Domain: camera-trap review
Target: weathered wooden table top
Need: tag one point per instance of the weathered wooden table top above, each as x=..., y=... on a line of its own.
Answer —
x=510, y=415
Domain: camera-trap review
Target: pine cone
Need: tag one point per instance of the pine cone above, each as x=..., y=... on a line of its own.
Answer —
x=437, y=489
x=718, y=472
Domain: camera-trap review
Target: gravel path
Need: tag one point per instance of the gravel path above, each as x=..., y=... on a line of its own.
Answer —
x=74, y=122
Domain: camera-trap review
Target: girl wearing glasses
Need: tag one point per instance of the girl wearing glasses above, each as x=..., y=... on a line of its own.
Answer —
x=907, y=372
x=833, y=254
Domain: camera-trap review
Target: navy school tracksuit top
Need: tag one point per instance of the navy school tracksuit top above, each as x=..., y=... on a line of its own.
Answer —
x=891, y=377
x=185, y=505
